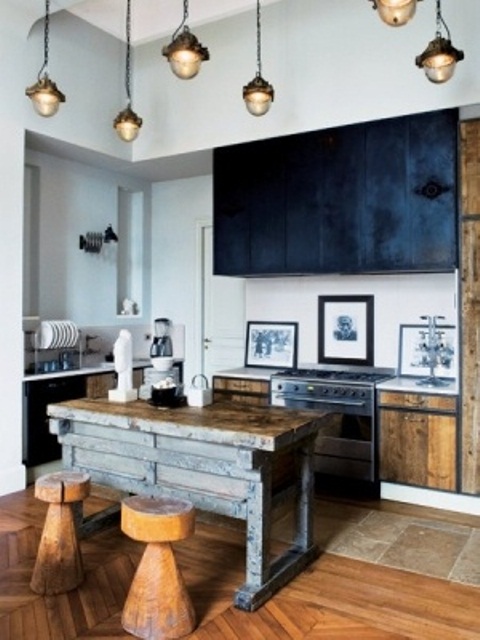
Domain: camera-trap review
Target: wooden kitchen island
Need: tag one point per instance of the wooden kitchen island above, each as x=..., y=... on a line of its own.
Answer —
x=228, y=459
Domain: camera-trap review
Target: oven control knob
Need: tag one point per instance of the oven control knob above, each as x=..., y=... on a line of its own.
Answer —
x=295, y=388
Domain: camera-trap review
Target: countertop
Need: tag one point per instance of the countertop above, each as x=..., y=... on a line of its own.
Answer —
x=258, y=373
x=264, y=428
x=409, y=384
x=101, y=367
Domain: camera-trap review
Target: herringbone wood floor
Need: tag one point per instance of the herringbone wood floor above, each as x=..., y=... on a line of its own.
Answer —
x=335, y=598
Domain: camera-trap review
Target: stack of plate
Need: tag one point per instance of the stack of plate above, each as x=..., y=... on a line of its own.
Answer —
x=56, y=334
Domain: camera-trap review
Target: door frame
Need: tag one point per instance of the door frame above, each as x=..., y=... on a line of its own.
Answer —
x=200, y=226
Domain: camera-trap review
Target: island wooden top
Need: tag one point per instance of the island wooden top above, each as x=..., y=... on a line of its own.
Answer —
x=264, y=428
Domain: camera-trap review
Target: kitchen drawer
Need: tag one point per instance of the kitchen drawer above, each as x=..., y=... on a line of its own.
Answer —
x=418, y=401
x=245, y=390
x=241, y=384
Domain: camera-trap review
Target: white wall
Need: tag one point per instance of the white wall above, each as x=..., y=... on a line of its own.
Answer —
x=76, y=199
x=331, y=62
x=179, y=206
x=398, y=299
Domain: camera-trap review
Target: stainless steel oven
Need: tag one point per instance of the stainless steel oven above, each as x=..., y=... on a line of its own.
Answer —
x=346, y=447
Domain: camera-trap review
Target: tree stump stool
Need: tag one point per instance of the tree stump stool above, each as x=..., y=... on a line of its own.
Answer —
x=59, y=567
x=158, y=604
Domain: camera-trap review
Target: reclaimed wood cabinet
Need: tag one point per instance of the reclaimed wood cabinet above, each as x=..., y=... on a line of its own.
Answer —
x=99, y=384
x=245, y=390
x=418, y=439
x=375, y=197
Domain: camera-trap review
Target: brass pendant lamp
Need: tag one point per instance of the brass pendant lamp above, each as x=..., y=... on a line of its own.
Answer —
x=258, y=94
x=185, y=53
x=395, y=13
x=127, y=124
x=440, y=57
x=44, y=94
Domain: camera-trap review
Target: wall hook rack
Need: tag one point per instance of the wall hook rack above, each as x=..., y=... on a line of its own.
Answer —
x=93, y=241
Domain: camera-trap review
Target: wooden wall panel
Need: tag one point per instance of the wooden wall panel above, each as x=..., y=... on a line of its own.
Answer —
x=470, y=306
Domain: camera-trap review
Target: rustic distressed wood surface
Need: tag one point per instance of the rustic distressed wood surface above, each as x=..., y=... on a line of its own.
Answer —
x=222, y=458
x=470, y=305
x=263, y=428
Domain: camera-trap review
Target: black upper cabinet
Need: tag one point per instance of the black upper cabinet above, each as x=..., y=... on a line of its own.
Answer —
x=324, y=196
x=373, y=197
x=410, y=209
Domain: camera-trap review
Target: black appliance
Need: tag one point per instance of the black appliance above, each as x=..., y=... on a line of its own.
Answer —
x=346, y=446
x=39, y=445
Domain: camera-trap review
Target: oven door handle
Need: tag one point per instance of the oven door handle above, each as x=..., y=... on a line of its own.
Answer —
x=343, y=402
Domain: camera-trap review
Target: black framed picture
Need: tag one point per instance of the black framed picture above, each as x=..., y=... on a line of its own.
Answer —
x=345, y=329
x=271, y=344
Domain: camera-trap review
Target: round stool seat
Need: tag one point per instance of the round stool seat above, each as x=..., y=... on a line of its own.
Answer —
x=157, y=519
x=63, y=486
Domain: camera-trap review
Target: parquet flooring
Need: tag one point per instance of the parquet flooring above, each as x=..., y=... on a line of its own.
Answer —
x=335, y=598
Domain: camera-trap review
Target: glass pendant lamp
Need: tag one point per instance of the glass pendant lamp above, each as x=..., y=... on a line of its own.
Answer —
x=44, y=94
x=258, y=94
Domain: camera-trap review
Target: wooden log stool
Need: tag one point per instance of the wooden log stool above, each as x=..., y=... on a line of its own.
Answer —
x=59, y=567
x=158, y=604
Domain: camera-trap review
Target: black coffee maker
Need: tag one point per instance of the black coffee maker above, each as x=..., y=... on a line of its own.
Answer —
x=162, y=342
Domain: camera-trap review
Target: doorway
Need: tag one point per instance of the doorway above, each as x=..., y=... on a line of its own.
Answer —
x=222, y=304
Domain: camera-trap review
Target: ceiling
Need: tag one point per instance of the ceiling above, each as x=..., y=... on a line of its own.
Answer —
x=151, y=19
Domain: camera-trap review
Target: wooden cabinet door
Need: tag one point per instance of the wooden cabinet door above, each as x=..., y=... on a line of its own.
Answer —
x=432, y=193
x=325, y=192
x=410, y=216
x=385, y=221
x=231, y=255
x=418, y=448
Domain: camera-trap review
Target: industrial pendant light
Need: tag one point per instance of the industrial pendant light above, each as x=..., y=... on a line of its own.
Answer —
x=44, y=94
x=440, y=57
x=258, y=94
x=185, y=53
x=127, y=124
x=395, y=13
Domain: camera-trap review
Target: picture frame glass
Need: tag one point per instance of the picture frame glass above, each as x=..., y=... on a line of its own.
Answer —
x=413, y=351
x=345, y=329
x=271, y=345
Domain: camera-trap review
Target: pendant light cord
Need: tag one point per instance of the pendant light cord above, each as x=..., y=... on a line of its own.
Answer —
x=440, y=22
x=128, y=55
x=259, y=43
x=46, y=39
x=183, y=22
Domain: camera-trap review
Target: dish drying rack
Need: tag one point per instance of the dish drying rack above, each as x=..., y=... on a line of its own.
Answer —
x=57, y=347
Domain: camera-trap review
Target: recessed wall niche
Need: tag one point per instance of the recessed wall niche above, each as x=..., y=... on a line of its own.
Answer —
x=130, y=254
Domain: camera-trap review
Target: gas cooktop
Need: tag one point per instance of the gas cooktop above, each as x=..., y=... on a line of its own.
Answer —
x=337, y=375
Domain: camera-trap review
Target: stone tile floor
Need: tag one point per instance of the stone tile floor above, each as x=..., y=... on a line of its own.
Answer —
x=448, y=549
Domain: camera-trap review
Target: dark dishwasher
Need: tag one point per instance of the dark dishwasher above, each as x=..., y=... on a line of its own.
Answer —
x=39, y=445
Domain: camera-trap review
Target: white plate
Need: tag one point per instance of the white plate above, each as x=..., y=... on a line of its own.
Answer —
x=46, y=335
